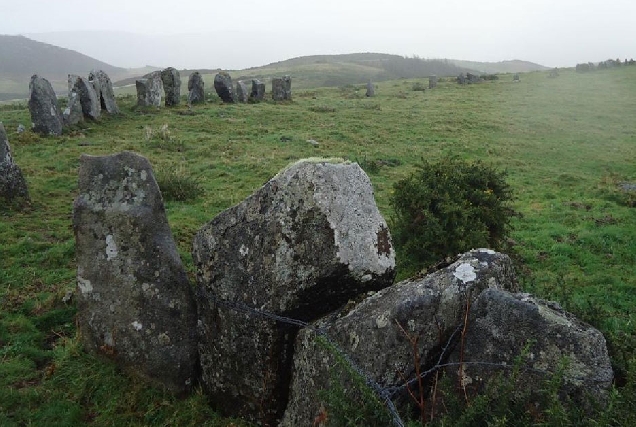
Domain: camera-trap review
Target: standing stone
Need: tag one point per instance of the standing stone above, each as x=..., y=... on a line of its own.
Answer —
x=223, y=87
x=149, y=90
x=516, y=78
x=171, y=86
x=104, y=90
x=135, y=304
x=13, y=186
x=242, y=94
x=461, y=79
x=307, y=241
x=72, y=114
x=45, y=112
x=370, y=89
x=196, y=92
x=258, y=91
x=281, y=88
x=472, y=78
x=432, y=82
x=91, y=107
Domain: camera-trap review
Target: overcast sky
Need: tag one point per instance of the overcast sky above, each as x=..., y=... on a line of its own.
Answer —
x=215, y=34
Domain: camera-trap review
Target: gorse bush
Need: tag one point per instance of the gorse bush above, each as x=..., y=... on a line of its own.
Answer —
x=448, y=207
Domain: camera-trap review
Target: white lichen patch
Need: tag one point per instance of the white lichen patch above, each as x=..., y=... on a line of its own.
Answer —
x=111, y=248
x=487, y=251
x=382, y=321
x=354, y=340
x=85, y=286
x=465, y=272
x=138, y=326
x=163, y=339
x=244, y=250
x=143, y=174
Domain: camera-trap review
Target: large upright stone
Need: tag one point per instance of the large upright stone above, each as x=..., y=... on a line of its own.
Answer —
x=370, y=89
x=45, y=111
x=104, y=90
x=223, y=87
x=149, y=90
x=302, y=245
x=13, y=186
x=242, y=94
x=461, y=79
x=72, y=114
x=196, y=92
x=134, y=300
x=281, y=88
x=472, y=78
x=258, y=91
x=91, y=107
x=171, y=86
x=432, y=82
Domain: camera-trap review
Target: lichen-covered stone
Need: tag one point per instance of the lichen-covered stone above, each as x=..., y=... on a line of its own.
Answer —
x=45, y=111
x=134, y=300
x=281, y=88
x=171, y=86
x=223, y=87
x=13, y=186
x=104, y=91
x=302, y=245
x=430, y=307
x=149, y=90
x=196, y=92
x=258, y=91
x=242, y=93
x=501, y=325
x=91, y=107
x=72, y=114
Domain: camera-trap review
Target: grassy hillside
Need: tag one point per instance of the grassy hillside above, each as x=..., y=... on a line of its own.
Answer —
x=566, y=143
x=514, y=66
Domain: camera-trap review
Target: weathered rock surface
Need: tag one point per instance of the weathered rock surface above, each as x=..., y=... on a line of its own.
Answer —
x=461, y=79
x=45, y=111
x=370, y=89
x=134, y=300
x=72, y=114
x=104, y=91
x=281, y=88
x=223, y=87
x=196, y=92
x=516, y=78
x=432, y=82
x=242, y=94
x=149, y=90
x=258, y=91
x=472, y=78
x=307, y=241
x=13, y=186
x=431, y=307
x=91, y=107
x=172, y=86
x=501, y=324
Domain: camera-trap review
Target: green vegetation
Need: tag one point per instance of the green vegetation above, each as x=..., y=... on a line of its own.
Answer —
x=566, y=144
x=446, y=208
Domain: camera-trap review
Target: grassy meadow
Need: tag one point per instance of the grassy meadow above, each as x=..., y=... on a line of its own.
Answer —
x=566, y=144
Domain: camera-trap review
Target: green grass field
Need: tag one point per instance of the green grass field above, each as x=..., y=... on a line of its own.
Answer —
x=566, y=144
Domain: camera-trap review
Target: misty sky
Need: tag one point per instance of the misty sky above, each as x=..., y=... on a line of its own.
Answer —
x=215, y=34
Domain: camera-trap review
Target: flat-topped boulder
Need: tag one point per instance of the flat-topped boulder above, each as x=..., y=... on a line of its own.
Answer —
x=135, y=304
x=257, y=93
x=281, y=88
x=149, y=90
x=300, y=246
x=172, y=86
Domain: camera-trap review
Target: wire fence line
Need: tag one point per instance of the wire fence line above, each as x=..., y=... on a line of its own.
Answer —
x=384, y=394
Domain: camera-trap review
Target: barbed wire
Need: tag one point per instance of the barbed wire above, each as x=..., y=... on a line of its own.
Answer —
x=384, y=394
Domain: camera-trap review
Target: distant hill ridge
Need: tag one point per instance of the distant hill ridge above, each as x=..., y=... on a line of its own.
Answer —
x=23, y=56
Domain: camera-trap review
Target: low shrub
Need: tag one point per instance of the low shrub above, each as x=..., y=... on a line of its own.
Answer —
x=448, y=207
x=177, y=185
